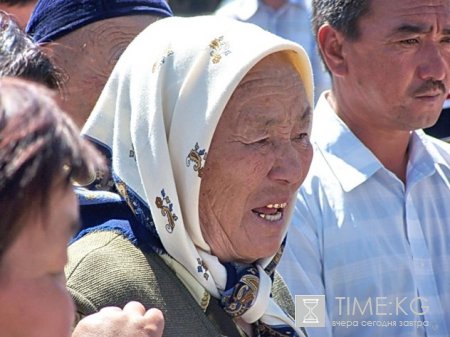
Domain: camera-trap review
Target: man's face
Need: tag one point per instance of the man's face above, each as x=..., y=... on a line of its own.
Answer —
x=398, y=68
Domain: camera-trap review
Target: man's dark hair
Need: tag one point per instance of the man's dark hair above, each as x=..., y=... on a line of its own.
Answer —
x=342, y=15
x=40, y=148
x=21, y=57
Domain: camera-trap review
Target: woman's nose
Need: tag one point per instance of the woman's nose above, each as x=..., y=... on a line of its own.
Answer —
x=292, y=162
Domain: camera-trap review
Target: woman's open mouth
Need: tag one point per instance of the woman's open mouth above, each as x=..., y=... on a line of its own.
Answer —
x=271, y=212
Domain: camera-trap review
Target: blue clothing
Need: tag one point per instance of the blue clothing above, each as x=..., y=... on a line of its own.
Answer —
x=107, y=211
x=52, y=19
x=292, y=21
x=369, y=242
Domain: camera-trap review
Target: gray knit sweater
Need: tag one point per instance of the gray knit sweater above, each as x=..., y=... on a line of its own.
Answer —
x=106, y=269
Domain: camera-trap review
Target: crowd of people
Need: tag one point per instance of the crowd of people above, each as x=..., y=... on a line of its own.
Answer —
x=164, y=175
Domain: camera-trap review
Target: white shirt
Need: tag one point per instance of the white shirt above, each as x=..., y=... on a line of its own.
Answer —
x=363, y=238
x=292, y=21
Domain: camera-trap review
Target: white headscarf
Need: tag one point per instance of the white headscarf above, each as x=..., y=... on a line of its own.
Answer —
x=158, y=113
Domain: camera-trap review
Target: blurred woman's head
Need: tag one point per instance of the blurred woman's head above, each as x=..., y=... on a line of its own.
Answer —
x=40, y=154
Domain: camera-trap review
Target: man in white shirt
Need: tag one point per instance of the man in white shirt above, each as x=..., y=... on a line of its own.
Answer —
x=290, y=19
x=371, y=230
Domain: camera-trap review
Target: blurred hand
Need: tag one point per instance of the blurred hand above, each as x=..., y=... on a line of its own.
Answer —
x=132, y=321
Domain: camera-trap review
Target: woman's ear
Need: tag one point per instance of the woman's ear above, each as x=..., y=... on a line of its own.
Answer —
x=330, y=43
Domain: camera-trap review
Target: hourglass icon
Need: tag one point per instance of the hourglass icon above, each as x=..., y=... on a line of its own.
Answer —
x=310, y=304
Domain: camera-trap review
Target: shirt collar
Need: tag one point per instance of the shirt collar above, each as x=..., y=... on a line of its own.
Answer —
x=353, y=163
x=428, y=155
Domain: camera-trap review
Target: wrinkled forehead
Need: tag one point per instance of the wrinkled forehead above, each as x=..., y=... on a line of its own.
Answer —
x=267, y=92
x=276, y=68
x=273, y=71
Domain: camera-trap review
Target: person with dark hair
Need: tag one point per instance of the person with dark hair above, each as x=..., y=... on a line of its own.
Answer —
x=86, y=38
x=371, y=227
x=41, y=154
x=20, y=9
x=21, y=57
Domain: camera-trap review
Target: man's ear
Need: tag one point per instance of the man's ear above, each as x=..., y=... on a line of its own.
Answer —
x=330, y=43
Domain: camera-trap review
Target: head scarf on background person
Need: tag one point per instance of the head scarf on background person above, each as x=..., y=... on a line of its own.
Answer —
x=158, y=113
x=52, y=19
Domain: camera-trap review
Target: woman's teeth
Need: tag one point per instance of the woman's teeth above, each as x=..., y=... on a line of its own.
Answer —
x=282, y=205
x=271, y=217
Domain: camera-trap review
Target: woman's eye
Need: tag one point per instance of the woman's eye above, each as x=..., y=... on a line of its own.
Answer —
x=302, y=136
x=409, y=42
x=302, y=139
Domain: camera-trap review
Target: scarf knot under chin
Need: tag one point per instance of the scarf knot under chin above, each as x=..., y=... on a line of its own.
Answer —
x=242, y=290
x=238, y=299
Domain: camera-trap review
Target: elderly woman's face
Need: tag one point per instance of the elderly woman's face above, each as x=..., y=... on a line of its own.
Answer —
x=259, y=156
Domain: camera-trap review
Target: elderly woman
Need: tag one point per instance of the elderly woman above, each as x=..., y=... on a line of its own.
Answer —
x=208, y=122
x=40, y=152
